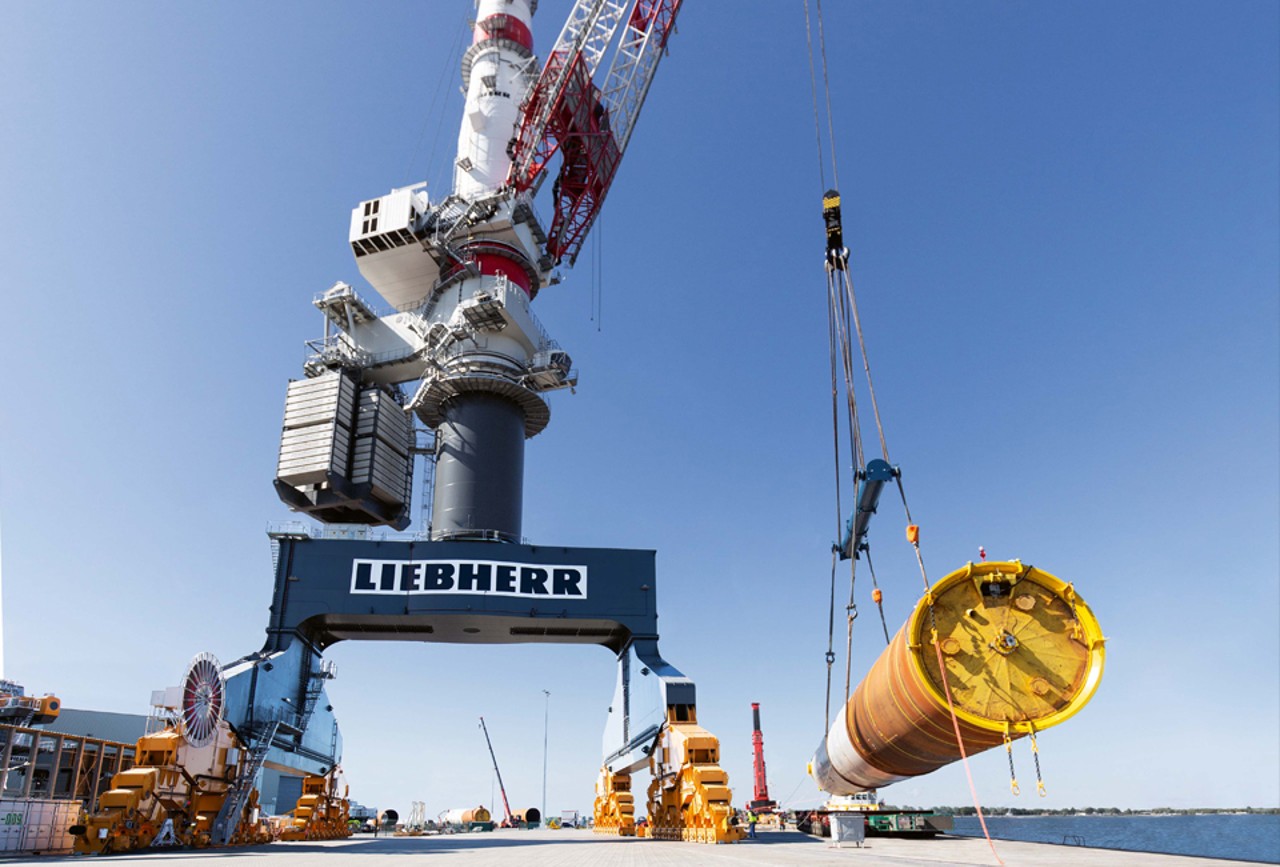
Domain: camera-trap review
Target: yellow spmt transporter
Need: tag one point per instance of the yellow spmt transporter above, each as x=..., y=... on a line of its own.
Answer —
x=689, y=795
x=689, y=792
x=321, y=813
x=185, y=778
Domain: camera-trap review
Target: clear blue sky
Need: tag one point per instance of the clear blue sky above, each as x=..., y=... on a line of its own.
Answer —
x=1064, y=221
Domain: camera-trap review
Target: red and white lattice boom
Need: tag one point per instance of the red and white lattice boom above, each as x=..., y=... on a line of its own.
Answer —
x=589, y=125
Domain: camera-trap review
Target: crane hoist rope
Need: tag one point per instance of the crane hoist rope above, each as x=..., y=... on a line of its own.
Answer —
x=831, y=632
x=913, y=537
x=877, y=597
x=433, y=119
x=832, y=341
x=843, y=317
x=826, y=88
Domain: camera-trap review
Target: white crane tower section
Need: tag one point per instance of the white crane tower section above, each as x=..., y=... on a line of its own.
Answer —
x=497, y=74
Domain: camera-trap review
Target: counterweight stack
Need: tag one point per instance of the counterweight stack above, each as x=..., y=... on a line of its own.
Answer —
x=1021, y=652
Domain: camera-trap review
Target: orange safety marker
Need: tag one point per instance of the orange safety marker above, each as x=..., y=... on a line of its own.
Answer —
x=913, y=533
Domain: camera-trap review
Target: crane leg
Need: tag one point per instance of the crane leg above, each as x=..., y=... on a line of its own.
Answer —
x=689, y=797
x=653, y=721
x=615, y=809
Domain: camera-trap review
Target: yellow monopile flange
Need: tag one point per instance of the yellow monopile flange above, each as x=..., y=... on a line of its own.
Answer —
x=995, y=651
x=689, y=795
x=615, y=809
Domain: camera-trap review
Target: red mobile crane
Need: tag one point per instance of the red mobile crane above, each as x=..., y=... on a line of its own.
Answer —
x=508, y=820
x=760, y=803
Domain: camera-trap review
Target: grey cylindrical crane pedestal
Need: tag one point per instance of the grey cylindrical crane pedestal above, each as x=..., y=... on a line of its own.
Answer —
x=479, y=477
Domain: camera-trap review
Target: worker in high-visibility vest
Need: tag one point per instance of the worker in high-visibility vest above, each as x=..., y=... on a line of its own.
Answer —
x=752, y=818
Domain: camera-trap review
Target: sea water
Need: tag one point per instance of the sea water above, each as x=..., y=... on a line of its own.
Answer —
x=1244, y=837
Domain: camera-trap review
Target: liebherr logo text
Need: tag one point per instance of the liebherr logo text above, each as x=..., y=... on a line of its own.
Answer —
x=479, y=577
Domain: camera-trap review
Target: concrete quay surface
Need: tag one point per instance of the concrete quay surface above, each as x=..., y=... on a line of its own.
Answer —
x=570, y=848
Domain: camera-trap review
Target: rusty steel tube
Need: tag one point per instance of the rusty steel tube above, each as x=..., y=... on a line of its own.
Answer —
x=1022, y=652
x=466, y=817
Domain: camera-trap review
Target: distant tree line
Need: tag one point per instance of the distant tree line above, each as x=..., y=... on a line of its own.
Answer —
x=1095, y=811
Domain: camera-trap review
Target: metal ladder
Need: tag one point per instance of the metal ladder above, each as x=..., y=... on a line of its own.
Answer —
x=228, y=820
x=315, y=685
x=426, y=448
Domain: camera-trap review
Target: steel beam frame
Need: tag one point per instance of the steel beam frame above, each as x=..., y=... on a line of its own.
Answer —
x=330, y=590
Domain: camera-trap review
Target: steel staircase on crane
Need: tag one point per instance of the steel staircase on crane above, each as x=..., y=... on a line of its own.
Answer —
x=228, y=821
x=315, y=686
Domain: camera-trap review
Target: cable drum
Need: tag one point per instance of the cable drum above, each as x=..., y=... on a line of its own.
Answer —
x=1022, y=652
x=203, y=700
